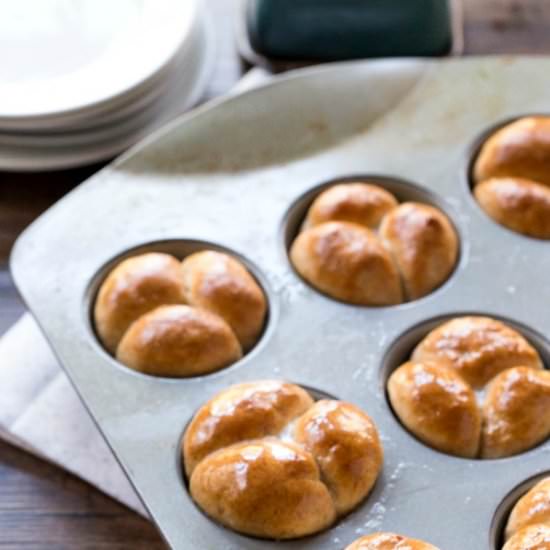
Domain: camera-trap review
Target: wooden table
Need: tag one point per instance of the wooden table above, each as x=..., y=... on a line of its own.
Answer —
x=42, y=507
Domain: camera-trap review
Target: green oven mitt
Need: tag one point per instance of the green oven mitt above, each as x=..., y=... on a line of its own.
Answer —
x=327, y=30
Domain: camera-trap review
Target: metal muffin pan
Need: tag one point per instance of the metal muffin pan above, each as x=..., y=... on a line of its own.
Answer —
x=229, y=175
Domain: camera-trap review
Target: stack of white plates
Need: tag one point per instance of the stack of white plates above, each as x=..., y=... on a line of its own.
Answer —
x=82, y=80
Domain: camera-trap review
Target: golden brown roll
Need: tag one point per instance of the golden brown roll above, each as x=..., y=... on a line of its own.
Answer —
x=134, y=287
x=534, y=537
x=437, y=406
x=178, y=340
x=389, y=541
x=265, y=460
x=531, y=509
x=518, y=150
x=346, y=448
x=424, y=244
x=516, y=413
x=244, y=411
x=477, y=347
x=347, y=261
x=266, y=488
x=361, y=203
x=219, y=283
x=517, y=203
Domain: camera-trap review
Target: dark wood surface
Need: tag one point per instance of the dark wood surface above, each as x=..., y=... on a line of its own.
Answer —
x=42, y=507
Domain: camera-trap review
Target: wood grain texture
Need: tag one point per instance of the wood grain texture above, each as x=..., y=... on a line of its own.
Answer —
x=42, y=507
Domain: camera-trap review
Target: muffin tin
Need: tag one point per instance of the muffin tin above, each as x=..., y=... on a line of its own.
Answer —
x=238, y=176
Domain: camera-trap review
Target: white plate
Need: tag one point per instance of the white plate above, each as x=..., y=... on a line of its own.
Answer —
x=70, y=55
x=186, y=87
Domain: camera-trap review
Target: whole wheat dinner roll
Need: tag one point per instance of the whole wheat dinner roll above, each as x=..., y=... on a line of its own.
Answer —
x=361, y=203
x=265, y=460
x=219, y=283
x=424, y=245
x=178, y=341
x=518, y=150
x=348, y=262
x=134, y=287
x=534, y=537
x=359, y=245
x=433, y=393
x=516, y=412
x=437, y=406
x=389, y=541
x=531, y=509
x=477, y=347
x=517, y=203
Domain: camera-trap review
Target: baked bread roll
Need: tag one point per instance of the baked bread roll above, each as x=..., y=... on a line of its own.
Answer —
x=516, y=412
x=424, y=245
x=389, y=541
x=339, y=253
x=437, y=406
x=361, y=203
x=348, y=262
x=534, y=537
x=134, y=287
x=265, y=460
x=478, y=348
x=178, y=341
x=517, y=203
x=518, y=150
x=531, y=509
x=219, y=283
x=433, y=394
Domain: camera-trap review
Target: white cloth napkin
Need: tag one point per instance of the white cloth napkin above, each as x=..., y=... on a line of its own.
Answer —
x=41, y=412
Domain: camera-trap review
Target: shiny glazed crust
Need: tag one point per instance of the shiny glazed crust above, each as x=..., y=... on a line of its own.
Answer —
x=134, y=287
x=531, y=509
x=534, y=537
x=433, y=394
x=424, y=245
x=361, y=203
x=520, y=149
x=389, y=541
x=228, y=313
x=339, y=252
x=264, y=459
x=517, y=203
x=478, y=348
x=219, y=283
x=178, y=341
x=347, y=261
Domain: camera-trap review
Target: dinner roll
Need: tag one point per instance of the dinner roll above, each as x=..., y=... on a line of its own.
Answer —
x=178, y=340
x=518, y=150
x=424, y=244
x=347, y=262
x=437, y=406
x=135, y=286
x=478, y=348
x=516, y=413
x=347, y=449
x=361, y=203
x=221, y=284
x=531, y=509
x=534, y=537
x=264, y=459
x=519, y=204
x=389, y=541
